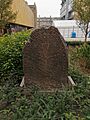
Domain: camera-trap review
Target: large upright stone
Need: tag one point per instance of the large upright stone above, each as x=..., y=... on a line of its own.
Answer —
x=45, y=59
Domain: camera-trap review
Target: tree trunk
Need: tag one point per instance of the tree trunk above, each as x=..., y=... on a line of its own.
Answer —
x=86, y=32
x=86, y=38
x=1, y=31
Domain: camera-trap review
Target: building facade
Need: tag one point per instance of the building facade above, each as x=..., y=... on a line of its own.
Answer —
x=66, y=12
x=26, y=17
x=24, y=14
x=45, y=21
x=34, y=10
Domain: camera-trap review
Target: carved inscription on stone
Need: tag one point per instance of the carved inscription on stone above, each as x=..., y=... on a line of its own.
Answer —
x=45, y=60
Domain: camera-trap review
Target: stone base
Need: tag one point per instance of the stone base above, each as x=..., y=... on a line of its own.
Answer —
x=50, y=86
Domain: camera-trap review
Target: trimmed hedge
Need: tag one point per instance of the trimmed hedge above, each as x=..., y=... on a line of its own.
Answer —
x=76, y=43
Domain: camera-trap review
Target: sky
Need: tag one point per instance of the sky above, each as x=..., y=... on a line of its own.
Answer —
x=47, y=8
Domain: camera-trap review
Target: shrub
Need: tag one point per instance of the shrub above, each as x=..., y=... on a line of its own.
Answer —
x=84, y=55
x=76, y=43
x=79, y=58
x=11, y=56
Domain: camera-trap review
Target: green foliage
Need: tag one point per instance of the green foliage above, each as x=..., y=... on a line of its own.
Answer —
x=82, y=9
x=29, y=103
x=79, y=57
x=25, y=104
x=11, y=56
x=76, y=43
x=82, y=14
x=6, y=13
x=84, y=53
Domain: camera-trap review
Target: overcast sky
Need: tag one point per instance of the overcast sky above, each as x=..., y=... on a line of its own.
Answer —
x=46, y=8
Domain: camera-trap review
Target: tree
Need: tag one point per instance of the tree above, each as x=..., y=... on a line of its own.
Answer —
x=82, y=15
x=6, y=13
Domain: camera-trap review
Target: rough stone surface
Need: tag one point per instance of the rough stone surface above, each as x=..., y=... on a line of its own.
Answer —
x=45, y=60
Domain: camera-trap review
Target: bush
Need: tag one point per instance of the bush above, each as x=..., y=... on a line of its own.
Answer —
x=79, y=58
x=11, y=56
x=84, y=55
x=76, y=43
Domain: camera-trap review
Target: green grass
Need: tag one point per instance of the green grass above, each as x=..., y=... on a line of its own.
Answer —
x=29, y=104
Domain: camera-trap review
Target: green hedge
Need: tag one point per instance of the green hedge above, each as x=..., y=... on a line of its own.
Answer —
x=76, y=43
x=11, y=56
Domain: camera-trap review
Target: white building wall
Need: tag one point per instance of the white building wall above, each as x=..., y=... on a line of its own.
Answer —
x=66, y=27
